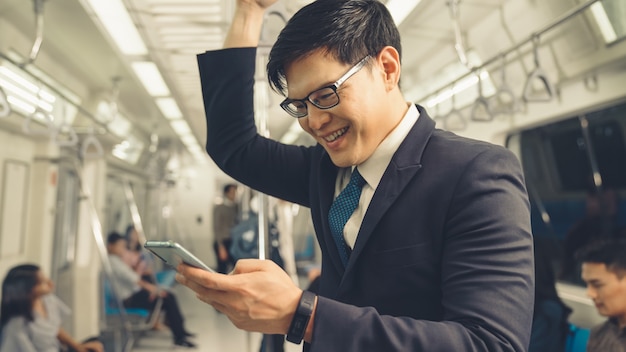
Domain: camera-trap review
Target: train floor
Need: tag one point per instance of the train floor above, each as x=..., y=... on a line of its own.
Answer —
x=214, y=332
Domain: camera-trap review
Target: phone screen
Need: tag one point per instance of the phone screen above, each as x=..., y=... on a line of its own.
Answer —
x=173, y=254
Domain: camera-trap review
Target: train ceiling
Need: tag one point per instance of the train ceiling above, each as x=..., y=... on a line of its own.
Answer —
x=174, y=31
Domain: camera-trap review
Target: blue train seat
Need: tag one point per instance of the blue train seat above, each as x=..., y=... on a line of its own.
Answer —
x=111, y=306
x=577, y=339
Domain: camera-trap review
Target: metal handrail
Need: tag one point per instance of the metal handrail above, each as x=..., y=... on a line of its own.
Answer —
x=481, y=104
x=563, y=18
x=537, y=74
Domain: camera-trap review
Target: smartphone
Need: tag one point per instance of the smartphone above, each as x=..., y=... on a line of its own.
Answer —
x=173, y=254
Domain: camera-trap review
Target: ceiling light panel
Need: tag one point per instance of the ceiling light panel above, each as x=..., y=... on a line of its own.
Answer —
x=169, y=108
x=151, y=78
x=118, y=23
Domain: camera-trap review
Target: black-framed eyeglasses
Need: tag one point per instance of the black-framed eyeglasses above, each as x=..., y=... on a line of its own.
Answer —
x=323, y=98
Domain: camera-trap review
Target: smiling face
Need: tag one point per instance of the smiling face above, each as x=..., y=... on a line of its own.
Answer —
x=370, y=103
x=606, y=289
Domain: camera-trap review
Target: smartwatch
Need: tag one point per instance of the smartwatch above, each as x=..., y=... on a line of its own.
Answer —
x=301, y=318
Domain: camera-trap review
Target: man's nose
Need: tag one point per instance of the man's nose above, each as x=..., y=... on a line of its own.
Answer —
x=317, y=117
x=591, y=292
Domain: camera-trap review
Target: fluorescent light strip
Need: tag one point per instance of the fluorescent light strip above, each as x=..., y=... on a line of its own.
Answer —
x=151, y=78
x=117, y=22
x=8, y=73
x=169, y=108
x=400, y=9
x=606, y=28
x=21, y=105
x=180, y=126
x=25, y=95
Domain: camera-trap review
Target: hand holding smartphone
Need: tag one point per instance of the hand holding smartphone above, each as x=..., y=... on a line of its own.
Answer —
x=173, y=254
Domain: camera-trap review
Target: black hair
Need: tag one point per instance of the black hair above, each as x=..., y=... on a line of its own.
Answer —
x=129, y=229
x=114, y=237
x=227, y=187
x=610, y=252
x=348, y=30
x=17, y=288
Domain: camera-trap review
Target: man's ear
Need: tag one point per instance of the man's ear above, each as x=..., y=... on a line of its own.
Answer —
x=389, y=61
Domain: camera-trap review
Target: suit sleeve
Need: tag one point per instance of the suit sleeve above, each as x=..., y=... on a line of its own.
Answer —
x=227, y=78
x=486, y=275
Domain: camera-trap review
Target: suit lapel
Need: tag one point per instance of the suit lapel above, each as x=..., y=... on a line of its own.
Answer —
x=403, y=167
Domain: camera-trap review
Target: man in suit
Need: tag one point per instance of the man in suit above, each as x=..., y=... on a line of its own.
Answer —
x=437, y=255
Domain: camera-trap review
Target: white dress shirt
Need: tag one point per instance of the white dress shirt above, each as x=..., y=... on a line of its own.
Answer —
x=372, y=171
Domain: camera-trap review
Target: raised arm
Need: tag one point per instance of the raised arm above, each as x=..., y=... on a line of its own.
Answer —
x=245, y=28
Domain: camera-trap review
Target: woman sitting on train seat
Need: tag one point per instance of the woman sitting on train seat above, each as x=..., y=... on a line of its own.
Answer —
x=139, y=293
x=31, y=315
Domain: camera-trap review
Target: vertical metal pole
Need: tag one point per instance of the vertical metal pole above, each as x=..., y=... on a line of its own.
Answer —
x=96, y=229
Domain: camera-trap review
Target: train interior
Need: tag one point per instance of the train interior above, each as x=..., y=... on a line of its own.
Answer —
x=102, y=126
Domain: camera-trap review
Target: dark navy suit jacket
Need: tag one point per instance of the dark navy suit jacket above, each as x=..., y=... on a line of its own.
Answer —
x=443, y=260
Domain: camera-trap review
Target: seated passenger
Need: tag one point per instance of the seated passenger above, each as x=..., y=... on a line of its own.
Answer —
x=550, y=318
x=604, y=271
x=143, y=263
x=138, y=293
x=31, y=315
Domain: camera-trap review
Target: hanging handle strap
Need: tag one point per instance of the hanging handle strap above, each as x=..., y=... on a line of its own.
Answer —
x=481, y=111
x=91, y=142
x=454, y=120
x=42, y=116
x=504, y=95
x=65, y=136
x=538, y=74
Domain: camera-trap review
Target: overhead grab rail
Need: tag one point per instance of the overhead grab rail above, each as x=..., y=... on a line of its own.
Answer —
x=481, y=111
x=65, y=135
x=459, y=47
x=5, y=108
x=60, y=94
x=40, y=115
x=454, y=120
x=91, y=147
x=563, y=18
x=538, y=74
x=39, y=21
x=504, y=94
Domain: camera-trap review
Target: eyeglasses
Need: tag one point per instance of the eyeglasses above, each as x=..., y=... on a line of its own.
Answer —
x=323, y=98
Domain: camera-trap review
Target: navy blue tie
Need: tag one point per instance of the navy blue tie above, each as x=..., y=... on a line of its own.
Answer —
x=341, y=210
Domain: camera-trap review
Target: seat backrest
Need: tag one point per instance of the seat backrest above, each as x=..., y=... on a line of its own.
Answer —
x=577, y=339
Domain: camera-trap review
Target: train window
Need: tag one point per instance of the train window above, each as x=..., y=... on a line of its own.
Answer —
x=571, y=155
x=575, y=172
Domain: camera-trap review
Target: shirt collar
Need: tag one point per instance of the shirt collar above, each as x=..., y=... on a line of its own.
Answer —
x=374, y=167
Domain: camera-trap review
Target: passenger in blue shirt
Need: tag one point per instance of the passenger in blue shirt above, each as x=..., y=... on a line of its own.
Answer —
x=31, y=315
